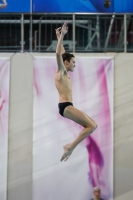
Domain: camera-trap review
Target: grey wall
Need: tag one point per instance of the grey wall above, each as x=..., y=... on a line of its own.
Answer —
x=20, y=128
x=21, y=122
x=123, y=127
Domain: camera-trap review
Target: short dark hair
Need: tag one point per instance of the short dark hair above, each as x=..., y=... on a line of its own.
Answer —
x=67, y=56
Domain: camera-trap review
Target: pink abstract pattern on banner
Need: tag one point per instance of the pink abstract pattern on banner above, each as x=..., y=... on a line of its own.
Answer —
x=91, y=164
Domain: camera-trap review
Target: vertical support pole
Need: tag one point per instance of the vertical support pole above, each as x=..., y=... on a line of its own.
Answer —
x=98, y=33
x=40, y=33
x=22, y=33
x=89, y=31
x=125, y=33
x=35, y=40
x=73, y=33
x=30, y=33
x=39, y=48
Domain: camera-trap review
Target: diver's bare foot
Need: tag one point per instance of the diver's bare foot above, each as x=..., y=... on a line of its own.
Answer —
x=67, y=152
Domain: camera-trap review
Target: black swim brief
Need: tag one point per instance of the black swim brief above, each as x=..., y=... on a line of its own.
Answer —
x=62, y=107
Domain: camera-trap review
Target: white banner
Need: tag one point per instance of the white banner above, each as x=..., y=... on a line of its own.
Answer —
x=91, y=163
x=4, y=111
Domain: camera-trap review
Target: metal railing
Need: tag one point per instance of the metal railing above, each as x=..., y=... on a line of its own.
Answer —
x=87, y=32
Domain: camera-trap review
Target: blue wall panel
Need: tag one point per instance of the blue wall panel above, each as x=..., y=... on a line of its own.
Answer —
x=81, y=6
x=15, y=6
